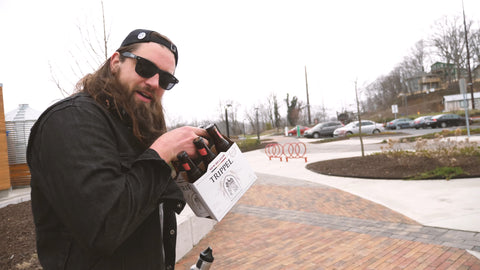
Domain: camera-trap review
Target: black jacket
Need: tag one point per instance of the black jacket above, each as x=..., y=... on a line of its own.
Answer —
x=96, y=192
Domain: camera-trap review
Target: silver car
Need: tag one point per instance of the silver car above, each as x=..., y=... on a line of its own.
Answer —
x=368, y=127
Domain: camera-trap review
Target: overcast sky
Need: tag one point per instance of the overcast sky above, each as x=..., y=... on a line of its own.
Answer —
x=240, y=51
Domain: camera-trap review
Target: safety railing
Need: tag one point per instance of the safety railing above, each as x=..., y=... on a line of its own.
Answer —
x=287, y=150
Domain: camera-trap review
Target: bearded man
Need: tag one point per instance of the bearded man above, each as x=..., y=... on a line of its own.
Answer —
x=101, y=187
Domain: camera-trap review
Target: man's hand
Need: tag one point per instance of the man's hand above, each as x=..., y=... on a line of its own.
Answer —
x=181, y=139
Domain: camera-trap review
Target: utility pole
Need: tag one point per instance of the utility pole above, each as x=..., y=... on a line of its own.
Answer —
x=308, y=99
x=468, y=59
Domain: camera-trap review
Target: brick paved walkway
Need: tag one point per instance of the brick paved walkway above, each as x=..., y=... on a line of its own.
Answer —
x=283, y=223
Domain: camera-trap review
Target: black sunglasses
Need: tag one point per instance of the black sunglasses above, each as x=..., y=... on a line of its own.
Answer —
x=147, y=69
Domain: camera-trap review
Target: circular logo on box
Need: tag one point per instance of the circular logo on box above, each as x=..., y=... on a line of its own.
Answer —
x=231, y=186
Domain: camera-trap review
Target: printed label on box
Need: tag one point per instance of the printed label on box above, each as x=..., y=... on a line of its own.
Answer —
x=227, y=178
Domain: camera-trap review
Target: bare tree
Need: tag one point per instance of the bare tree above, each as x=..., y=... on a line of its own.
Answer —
x=446, y=44
x=319, y=113
x=276, y=113
x=357, y=101
x=293, y=110
x=273, y=111
x=257, y=114
x=474, y=43
x=229, y=108
x=449, y=42
x=89, y=54
x=413, y=65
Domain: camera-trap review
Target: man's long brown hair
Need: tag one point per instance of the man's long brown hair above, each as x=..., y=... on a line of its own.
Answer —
x=147, y=120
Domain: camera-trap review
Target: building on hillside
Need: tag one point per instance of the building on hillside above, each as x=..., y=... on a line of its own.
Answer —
x=439, y=76
x=476, y=74
x=423, y=82
x=447, y=72
x=457, y=102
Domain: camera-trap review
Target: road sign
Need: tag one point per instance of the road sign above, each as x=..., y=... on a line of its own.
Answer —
x=394, y=108
x=463, y=86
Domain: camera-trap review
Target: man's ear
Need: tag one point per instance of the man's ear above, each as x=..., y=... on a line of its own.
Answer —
x=114, y=62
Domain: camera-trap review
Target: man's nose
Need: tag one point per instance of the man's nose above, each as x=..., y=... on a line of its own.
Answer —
x=153, y=81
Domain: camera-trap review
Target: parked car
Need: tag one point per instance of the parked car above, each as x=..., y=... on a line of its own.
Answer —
x=420, y=122
x=293, y=131
x=399, y=123
x=324, y=129
x=446, y=120
x=368, y=127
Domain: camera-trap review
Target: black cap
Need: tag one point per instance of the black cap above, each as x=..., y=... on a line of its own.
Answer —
x=143, y=35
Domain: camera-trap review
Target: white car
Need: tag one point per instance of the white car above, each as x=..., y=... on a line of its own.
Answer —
x=368, y=127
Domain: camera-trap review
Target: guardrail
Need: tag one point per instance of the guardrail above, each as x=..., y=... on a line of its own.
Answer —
x=287, y=150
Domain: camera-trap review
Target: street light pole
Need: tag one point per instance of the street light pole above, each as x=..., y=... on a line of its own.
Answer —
x=470, y=84
x=226, y=119
x=308, y=99
x=244, y=130
x=258, y=128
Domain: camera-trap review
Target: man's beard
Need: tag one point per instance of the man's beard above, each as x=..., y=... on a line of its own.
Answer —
x=147, y=118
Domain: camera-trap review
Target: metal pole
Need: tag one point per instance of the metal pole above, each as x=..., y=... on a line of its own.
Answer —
x=258, y=128
x=308, y=99
x=406, y=106
x=470, y=84
x=226, y=121
x=463, y=91
x=360, y=120
x=244, y=130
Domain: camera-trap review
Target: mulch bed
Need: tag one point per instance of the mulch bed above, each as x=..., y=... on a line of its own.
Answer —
x=383, y=167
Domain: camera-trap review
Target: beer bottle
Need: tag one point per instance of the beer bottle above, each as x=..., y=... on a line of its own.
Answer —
x=221, y=144
x=205, y=152
x=192, y=170
x=205, y=260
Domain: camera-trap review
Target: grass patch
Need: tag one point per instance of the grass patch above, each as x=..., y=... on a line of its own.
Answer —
x=444, y=133
x=341, y=138
x=330, y=139
x=250, y=144
x=441, y=148
x=446, y=173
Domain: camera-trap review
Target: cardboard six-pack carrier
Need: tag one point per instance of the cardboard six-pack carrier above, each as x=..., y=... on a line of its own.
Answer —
x=225, y=181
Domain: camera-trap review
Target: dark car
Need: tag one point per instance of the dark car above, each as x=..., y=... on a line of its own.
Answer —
x=323, y=129
x=420, y=122
x=399, y=123
x=446, y=120
x=293, y=131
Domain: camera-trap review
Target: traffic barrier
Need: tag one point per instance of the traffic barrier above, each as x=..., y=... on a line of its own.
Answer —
x=274, y=150
x=287, y=150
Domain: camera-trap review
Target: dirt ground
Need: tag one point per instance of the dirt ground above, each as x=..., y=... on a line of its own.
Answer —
x=17, y=244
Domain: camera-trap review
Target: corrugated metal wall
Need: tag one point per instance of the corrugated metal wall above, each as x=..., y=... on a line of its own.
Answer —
x=17, y=140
